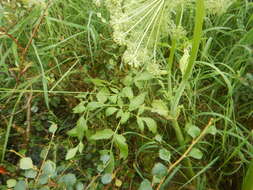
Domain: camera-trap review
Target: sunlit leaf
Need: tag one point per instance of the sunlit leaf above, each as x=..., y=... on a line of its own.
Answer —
x=103, y=134
x=137, y=101
x=26, y=163
x=71, y=153
x=123, y=147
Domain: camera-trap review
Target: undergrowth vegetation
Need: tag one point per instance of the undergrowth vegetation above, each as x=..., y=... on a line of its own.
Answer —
x=126, y=94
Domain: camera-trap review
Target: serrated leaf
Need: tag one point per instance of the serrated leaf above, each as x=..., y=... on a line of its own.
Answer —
x=151, y=124
x=159, y=170
x=103, y=134
x=124, y=117
x=196, y=153
x=106, y=178
x=102, y=96
x=144, y=76
x=81, y=127
x=192, y=130
x=159, y=107
x=128, y=80
x=71, y=153
x=164, y=154
x=80, y=108
x=140, y=124
x=94, y=105
x=145, y=185
x=113, y=99
x=73, y=132
x=123, y=147
x=26, y=163
x=111, y=110
x=137, y=101
x=127, y=92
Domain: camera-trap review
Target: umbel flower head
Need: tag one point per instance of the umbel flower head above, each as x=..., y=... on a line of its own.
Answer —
x=140, y=24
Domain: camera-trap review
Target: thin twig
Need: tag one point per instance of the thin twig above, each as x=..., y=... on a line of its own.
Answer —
x=28, y=117
x=194, y=142
x=3, y=32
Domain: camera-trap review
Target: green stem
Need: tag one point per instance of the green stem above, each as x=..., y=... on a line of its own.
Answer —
x=9, y=126
x=199, y=19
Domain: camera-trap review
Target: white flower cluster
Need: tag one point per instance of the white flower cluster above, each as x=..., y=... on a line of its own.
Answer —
x=218, y=6
x=140, y=24
x=31, y=3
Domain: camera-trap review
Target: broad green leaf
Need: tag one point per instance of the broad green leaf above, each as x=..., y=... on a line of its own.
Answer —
x=26, y=163
x=71, y=153
x=128, y=80
x=80, y=147
x=43, y=179
x=11, y=183
x=79, y=186
x=21, y=185
x=127, y=92
x=144, y=76
x=115, y=90
x=49, y=168
x=124, y=117
x=103, y=134
x=94, y=105
x=159, y=170
x=192, y=130
x=123, y=147
x=81, y=127
x=140, y=124
x=164, y=154
x=73, y=132
x=113, y=99
x=30, y=173
x=151, y=124
x=111, y=110
x=212, y=130
x=145, y=185
x=159, y=107
x=137, y=101
x=196, y=153
x=80, y=108
x=102, y=95
x=106, y=178
x=68, y=179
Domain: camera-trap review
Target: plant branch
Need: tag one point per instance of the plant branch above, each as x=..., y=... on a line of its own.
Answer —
x=185, y=154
